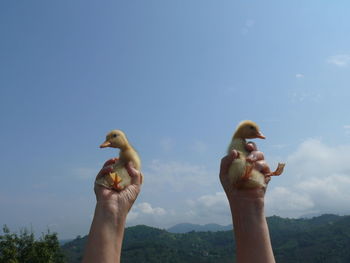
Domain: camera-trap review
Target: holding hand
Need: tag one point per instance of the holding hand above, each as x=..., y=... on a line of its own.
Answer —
x=123, y=199
x=256, y=158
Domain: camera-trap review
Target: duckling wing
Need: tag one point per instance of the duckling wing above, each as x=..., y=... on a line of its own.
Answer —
x=236, y=170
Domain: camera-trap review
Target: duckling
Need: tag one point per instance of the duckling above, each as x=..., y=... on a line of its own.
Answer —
x=242, y=170
x=119, y=178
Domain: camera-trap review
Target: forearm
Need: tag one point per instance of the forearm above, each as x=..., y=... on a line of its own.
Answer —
x=106, y=234
x=251, y=231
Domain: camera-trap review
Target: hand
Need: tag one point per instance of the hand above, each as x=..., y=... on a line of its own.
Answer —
x=257, y=159
x=125, y=198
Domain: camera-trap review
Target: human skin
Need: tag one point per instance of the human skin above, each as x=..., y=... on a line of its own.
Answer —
x=107, y=228
x=247, y=208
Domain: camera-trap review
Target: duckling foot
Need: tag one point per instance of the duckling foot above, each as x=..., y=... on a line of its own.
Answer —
x=278, y=171
x=113, y=180
x=116, y=185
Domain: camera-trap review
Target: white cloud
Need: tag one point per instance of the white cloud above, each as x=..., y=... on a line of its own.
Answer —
x=318, y=180
x=209, y=208
x=146, y=208
x=212, y=201
x=284, y=202
x=299, y=75
x=145, y=213
x=341, y=60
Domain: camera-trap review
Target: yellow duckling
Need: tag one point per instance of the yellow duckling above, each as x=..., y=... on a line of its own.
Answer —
x=119, y=178
x=241, y=171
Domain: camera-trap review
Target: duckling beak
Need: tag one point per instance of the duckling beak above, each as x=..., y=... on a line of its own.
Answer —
x=260, y=135
x=105, y=144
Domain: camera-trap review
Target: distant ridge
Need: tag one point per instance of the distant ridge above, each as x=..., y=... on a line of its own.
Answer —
x=187, y=227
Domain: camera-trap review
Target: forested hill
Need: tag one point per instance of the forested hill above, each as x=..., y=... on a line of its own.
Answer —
x=321, y=239
x=185, y=228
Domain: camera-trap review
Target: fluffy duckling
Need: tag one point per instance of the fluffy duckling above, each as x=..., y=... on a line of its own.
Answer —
x=119, y=178
x=242, y=170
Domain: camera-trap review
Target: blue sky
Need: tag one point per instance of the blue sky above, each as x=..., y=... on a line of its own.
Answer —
x=177, y=77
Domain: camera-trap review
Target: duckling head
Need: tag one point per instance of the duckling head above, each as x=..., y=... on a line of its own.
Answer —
x=115, y=139
x=248, y=130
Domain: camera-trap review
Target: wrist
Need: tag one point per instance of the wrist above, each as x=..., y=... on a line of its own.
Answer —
x=111, y=210
x=249, y=203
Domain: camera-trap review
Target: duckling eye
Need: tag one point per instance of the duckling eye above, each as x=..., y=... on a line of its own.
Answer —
x=252, y=128
x=114, y=135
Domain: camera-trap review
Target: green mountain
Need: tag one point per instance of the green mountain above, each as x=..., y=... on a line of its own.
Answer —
x=320, y=239
x=186, y=227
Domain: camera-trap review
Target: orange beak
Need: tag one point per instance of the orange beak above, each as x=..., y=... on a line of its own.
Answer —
x=260, y=135
x=105, y=144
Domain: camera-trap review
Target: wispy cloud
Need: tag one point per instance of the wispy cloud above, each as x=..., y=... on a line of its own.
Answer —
x=299, y=76
x=85, y=173
x=341, y=60
x=302, y=96
x=248, y=24
x=167, y=144
x=177, y=176
x=199, y=147
x=347, y=129
x=279, y=146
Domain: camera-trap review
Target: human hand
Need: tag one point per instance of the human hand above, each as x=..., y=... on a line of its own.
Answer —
x=123, y=199
x=257, y=159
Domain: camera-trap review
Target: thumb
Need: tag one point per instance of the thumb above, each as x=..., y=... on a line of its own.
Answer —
x=227, y=161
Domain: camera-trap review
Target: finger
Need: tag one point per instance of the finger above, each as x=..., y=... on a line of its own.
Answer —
x=262, y=167
x=255, y=156
x=136, y=176
x=227, y=160
x=251, y=146
x=110, y=161
x=104, y=171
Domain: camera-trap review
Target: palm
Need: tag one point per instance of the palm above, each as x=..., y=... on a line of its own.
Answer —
x=125, y=198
